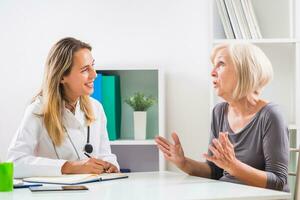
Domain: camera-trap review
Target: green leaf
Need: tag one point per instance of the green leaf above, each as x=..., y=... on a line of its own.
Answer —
x=139, y=102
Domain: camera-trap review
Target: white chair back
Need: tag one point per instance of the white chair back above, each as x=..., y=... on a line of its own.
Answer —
x=296, y=173
x=297, y=182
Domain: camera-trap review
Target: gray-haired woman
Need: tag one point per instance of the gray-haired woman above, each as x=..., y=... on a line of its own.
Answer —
x=249, y=138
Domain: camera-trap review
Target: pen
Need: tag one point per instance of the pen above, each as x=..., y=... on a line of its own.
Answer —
x=91, y=157
x=87, y=155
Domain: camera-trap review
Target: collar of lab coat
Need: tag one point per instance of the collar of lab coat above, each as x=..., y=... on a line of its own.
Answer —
x=71, y=120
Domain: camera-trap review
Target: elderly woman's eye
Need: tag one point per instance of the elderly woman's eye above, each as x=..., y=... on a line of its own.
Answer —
x=221, y=64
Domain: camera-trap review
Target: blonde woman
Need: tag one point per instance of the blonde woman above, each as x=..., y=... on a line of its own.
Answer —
x=64, y=130
x=249, y=138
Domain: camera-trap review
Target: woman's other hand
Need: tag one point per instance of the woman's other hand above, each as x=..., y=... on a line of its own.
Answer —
x=223, y=153
x=172, y=152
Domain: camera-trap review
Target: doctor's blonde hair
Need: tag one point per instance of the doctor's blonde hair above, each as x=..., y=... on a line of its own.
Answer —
x=252, y=67
x=59, y=64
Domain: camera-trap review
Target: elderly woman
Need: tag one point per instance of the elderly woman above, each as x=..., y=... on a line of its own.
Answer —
x=249, y=138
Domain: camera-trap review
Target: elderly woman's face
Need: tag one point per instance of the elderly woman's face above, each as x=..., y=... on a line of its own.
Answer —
x=223, y=74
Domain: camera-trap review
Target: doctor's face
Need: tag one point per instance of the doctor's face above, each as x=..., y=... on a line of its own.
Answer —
x=223, y=74
x=80, y=80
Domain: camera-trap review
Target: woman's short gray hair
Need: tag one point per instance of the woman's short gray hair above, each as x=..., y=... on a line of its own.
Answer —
x=253, y=68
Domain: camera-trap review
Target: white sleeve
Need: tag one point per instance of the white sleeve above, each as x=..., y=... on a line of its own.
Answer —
x=105, y=150
x=22, y=150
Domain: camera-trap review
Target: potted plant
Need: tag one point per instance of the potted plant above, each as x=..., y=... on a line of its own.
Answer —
x=140, y=104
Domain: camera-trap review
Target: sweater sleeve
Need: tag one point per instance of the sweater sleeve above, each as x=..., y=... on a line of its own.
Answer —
x=276, y=149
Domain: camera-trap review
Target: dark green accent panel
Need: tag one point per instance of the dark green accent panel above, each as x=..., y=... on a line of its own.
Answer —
x=112, y=105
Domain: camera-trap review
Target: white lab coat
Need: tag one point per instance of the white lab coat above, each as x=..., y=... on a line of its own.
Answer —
x=32, y=150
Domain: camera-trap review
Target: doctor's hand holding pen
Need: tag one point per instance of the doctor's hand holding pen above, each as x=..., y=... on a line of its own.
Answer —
x=88, y=166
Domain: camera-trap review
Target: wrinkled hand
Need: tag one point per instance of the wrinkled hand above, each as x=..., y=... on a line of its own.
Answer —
x=172, y=152
x=223, y=153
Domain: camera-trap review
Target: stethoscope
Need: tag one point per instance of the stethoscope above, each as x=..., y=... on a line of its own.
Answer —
x=88, y=148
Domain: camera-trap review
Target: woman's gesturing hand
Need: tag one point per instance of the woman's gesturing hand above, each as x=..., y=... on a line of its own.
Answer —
x=172, y=152
x=223, y=153
x=87, y=166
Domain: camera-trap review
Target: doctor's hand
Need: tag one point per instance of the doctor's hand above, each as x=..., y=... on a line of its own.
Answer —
x=110, y=168
x=223, y=153
x=172, y=152
x=87, y=166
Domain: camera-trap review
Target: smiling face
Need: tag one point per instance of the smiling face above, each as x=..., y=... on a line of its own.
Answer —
x=80, y=80
x=223, y=74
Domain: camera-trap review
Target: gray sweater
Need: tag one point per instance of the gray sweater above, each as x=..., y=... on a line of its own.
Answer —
x=263, y=144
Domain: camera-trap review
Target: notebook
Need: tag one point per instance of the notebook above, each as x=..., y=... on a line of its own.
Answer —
x=21, y=184
x=75, y=179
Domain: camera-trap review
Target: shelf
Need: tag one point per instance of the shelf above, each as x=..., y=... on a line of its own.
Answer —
x=284, y=26
x=139, y=155
x=132, y=142
x=294, y=150
x=138, y=80
x=118, y=68
x=258, y=41
x=292, y=127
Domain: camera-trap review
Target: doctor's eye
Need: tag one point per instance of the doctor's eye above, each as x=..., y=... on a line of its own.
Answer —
x=85, y=69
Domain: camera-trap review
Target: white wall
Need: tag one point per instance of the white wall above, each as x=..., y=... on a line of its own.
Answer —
x=171, y=34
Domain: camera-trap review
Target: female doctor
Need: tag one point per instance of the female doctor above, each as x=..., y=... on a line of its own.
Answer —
x=64, y=130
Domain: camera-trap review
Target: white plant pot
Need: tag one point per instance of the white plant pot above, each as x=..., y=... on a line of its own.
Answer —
x=140, y=123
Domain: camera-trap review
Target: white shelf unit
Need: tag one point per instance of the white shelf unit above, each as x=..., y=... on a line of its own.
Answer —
x=280, y=42
x=139, y=155
x=275, y=19
x=258, y=41
x=132, y=142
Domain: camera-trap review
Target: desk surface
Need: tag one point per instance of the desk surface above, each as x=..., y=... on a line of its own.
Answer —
x=154, y=185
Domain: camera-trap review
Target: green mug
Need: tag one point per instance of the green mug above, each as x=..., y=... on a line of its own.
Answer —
x=6, y=176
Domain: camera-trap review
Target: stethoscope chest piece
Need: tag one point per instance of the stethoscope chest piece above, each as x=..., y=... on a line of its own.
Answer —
x=88, y=148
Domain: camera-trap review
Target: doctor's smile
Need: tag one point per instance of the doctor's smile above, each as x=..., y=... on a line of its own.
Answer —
x=90, y=85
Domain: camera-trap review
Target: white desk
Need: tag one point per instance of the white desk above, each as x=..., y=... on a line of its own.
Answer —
x=154, y=185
